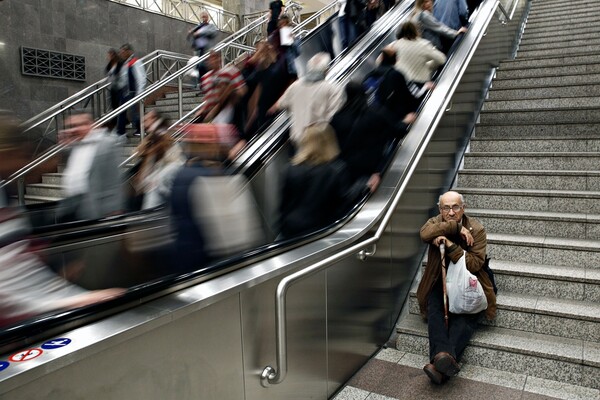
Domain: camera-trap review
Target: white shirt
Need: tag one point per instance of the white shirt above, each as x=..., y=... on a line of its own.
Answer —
x=80, y=162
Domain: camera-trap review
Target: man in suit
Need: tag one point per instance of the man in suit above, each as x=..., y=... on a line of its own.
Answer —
x=92, y=179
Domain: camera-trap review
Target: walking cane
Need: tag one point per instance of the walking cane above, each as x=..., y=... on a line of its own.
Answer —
x=443, y=257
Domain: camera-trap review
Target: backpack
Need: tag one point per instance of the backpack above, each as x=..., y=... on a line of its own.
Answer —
x=371, y=85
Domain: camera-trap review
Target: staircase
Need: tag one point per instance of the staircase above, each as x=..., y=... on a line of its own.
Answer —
x=532, y=177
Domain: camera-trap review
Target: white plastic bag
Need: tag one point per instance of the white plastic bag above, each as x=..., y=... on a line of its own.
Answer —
x=465, y=293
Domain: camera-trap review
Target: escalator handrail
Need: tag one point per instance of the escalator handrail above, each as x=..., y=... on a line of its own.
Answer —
x=422, y=130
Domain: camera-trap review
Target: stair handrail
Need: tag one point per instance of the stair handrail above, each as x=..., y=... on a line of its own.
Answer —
x=426, y=123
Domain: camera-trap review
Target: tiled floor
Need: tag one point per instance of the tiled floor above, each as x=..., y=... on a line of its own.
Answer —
x=395, y=375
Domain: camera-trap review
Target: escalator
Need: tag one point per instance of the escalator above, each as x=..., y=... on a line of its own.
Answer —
x=209, y=333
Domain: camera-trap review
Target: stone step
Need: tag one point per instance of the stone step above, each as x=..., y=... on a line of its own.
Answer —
x=540, y=314
x=544, y=250
x=547, y=92
x=523, y=382
x=185, y=94
x=585, y=161
x=546, y=81
x=501, y=129
x=532, y=199
x=548, y=5
x=569, y=19
x=542, y=104
x=557, y=115
x=545, y=37
x=45, y=189
x=548, y=71
x=571, y=43
x=553, y=223
x=32, y=199
x=528, y=179
x=543, y=32
x=573, y=361
x=569, y=25
x=172, y=108
x=592, y=48
x=52, y=178
x=542, y=144
x=549, y=61
x=175, y=101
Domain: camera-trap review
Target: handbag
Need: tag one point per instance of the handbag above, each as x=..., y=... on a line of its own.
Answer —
x=465, y=293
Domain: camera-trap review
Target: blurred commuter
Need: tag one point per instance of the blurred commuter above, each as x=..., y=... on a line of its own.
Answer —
x=347, y=28
x=311, y=98
x=372, y=11
x=429, y=27
x=275, y=8
x=314, y=185
x=116, y=80
x=203, y=35
x=364, y=133
x=160, y=159
x=454, y=14
x=387, y=88
x=287, y=47
x=92, y=179
x=213, y=214
x=134, y=74
x=223, y=87
x=28, y=287
x=416, y=58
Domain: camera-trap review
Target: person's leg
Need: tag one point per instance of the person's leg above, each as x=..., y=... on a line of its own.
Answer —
x=439, y=340
x=122, y=118
x=462, y=327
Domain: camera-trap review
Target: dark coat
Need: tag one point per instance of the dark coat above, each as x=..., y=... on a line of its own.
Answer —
x=475, y=257
x=312, y=197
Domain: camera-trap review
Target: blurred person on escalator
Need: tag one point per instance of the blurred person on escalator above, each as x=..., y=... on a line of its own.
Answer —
x=29, y=288
x=430, y=28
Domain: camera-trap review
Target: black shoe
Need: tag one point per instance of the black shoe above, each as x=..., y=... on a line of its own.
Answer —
x=434, y=375
x=446, y=364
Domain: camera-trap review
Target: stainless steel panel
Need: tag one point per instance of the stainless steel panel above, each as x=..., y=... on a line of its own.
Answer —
x=195, y=357
x=306, y=346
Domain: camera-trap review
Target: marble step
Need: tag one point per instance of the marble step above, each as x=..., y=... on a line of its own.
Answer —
x=164, y=110
x=568, y=42
x=175, y=101
x=555, y=281
x=540, y=314
x=45, y=189
x=555, y=91
x=557, y=115
x=32, y=199
x=504, y=129
x=542, y=144
x=53, y=178
x=532, y=200
x=573, y=361
x=568, y=252
x=544, y=31
x=550, y=223
x=185, y=94
x=549, y=61
x=546, y=81
x=591, y=48
x=573, y=161
x=569, y=24
x=528, y=179
x=542, y=104
x=589, y=33
x=554, y=70
x=550, y=5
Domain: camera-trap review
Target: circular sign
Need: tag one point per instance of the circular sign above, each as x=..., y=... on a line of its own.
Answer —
x=56, y=343
x=26, y=355
x=4, y=365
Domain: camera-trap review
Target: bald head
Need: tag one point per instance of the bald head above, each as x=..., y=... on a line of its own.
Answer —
x=452, y=206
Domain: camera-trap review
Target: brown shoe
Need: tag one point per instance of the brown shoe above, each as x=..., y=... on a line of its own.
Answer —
x=434, y=375
x=446, y=364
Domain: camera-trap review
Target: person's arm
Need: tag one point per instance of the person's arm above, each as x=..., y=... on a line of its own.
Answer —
x=428, y=21
x=139, y=74
x=435, y=227
x=436, y=57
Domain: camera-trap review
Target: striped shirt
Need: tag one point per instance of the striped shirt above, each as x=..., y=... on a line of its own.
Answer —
x=214, y=82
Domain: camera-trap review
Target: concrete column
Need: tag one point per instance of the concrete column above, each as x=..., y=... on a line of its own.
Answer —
x=245, y=6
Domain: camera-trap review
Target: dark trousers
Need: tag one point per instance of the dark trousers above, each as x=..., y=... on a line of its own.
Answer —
x=135, y=115
x=460, y=326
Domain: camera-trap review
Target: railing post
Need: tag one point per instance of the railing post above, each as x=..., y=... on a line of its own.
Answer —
x=21, y=190
x=180, y=95
x=142, y=127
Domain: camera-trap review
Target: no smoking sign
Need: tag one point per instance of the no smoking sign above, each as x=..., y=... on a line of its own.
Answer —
x=26, y=355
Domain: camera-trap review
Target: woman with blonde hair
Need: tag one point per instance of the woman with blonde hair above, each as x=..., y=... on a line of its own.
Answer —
x=315, y=184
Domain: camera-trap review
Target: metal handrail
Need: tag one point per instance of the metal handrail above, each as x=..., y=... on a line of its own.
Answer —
x=428, y=122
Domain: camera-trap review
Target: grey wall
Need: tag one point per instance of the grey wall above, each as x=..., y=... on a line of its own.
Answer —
x=82, y=27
